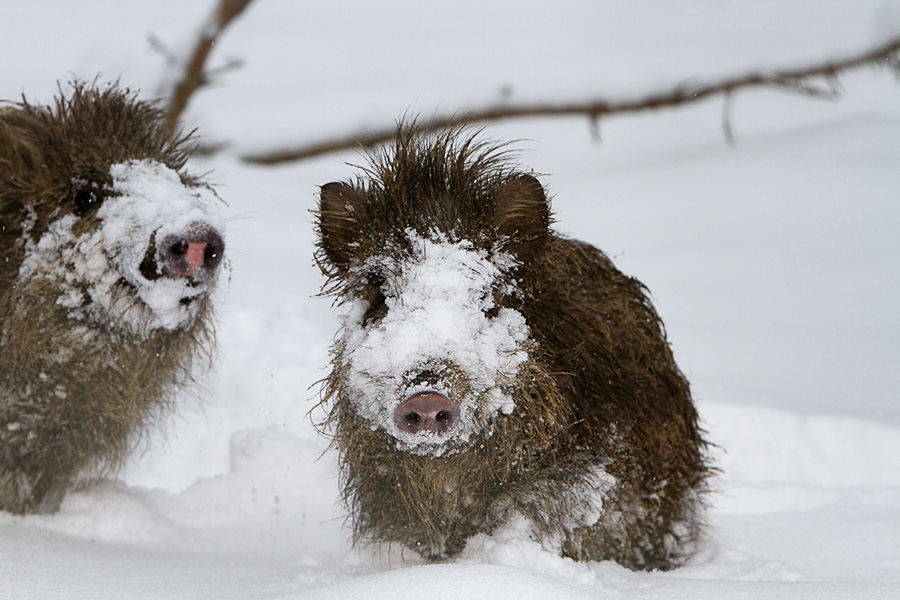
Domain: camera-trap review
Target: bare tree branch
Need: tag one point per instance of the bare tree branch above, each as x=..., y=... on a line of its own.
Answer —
x=799, y=80
x=194, y=75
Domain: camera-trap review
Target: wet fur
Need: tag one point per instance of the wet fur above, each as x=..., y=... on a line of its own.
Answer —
x=601, y=391
x=76, y=395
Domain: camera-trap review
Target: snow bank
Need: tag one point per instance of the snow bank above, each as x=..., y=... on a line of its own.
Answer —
x=806, y=450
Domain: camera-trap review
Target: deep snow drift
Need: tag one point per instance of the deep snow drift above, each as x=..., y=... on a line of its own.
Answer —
x=773, y=263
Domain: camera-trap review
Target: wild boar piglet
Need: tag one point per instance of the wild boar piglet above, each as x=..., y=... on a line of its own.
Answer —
x=488, y=367
x=110, y=251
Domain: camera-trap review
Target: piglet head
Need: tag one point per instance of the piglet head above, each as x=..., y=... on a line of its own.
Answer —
x=139, y=252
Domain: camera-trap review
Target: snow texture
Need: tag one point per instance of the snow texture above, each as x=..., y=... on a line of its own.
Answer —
x=773, y=262
x=438, y=299
x=147, y=201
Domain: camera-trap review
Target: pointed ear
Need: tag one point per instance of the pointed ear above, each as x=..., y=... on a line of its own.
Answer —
x=19, y=155
x=522, y=214
x=341, y=206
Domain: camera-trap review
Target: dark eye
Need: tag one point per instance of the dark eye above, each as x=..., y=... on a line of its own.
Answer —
x=87, y=198
x=375, y=297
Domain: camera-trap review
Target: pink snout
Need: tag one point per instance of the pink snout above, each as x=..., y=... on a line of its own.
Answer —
x=428, y=412
x=195, y=253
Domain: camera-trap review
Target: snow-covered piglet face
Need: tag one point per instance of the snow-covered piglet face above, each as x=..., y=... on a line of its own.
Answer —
x=429, y=352
x=137, y=254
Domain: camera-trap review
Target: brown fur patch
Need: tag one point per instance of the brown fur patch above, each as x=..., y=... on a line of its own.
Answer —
x=75, y=395
x=602, y=412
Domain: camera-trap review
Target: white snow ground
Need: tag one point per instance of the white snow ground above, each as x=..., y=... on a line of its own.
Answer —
x=773, y=262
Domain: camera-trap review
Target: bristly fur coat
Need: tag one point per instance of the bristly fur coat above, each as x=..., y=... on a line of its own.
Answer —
x=601, y=452
x=85, y=362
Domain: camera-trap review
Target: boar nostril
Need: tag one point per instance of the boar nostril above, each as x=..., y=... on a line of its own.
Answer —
x=179, y=249
x=215, y=247
x=213, y=253
x=426, y=412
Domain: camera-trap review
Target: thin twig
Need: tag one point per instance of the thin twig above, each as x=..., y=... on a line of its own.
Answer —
x=726, y=118
x=194, y=75
x=794, y=80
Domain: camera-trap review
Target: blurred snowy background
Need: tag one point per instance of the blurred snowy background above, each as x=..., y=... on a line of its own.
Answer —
x=775, y=263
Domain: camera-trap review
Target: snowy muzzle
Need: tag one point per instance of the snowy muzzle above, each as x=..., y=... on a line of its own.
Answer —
x=442, y=361
x=155, y=252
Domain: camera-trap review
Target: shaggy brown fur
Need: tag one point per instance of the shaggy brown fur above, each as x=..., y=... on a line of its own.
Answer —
x=602, y=412
x=75, y=392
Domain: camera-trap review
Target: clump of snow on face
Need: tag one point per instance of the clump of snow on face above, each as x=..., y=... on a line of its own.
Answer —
x=437, y=297
x=147, y=201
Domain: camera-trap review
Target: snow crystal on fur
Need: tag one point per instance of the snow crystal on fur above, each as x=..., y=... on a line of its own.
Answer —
x=147, y=201
x=436, y=321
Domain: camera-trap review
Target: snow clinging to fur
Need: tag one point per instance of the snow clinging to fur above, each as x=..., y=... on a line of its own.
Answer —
x=147, y=202
x=438, y=304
